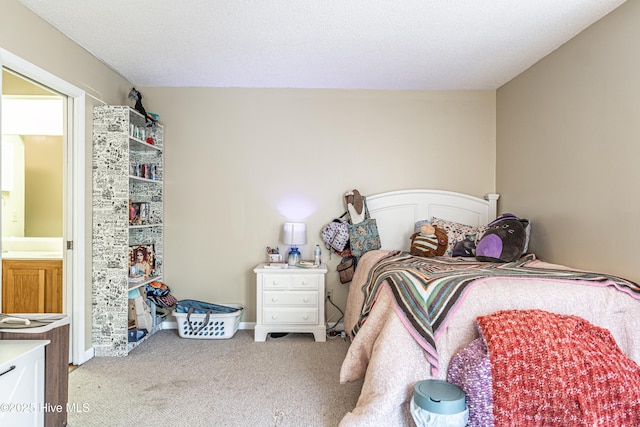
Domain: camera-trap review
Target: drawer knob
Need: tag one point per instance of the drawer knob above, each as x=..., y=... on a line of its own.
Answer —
x=273, y=316
x=306, y=317
x=274, y=299
x=305, y=299
x=304, y=283
x=275, y=282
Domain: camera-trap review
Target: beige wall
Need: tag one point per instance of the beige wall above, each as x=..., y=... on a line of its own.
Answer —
x=568, y=146
x=241, y=162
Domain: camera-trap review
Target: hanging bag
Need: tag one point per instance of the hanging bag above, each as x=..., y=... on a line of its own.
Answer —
x=364, y=237
x=335, y=235
x=346, y=269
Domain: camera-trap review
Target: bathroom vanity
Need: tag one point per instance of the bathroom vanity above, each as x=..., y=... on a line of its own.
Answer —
x=31, y=285
x=31, y=275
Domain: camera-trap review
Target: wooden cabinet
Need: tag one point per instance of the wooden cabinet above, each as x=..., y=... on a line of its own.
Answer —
x=290, y=300
x=32, y=286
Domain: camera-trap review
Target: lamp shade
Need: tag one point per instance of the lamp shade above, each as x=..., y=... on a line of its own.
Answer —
x=294, y=233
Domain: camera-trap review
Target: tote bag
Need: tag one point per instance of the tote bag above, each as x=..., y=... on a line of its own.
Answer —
x=364, y=237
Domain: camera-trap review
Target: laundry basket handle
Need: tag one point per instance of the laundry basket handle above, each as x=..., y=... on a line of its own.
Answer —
x=205, y=323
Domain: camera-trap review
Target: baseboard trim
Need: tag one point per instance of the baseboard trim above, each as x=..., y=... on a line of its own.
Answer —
x=86, y=356
x=247, y=325
x=169, y=325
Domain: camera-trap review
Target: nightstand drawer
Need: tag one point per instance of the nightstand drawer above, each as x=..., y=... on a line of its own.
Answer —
x=277, y=281
x=275, y=298
x=290, y=315
x=290, y=281
x=306, y=282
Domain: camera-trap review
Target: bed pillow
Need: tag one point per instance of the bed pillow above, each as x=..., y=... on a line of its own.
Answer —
x=457, y=232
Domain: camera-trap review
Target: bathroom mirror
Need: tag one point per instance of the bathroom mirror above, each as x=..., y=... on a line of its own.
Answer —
x=32, y=160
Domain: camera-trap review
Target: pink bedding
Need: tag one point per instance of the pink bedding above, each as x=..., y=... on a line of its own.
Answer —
x=388, y=358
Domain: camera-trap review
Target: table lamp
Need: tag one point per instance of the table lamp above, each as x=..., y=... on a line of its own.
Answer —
x=294, y=234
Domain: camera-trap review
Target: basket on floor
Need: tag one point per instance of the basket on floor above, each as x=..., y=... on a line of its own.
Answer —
x=208, y=325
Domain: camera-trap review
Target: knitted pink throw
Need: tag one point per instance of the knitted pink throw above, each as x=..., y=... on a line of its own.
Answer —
x=550, y=369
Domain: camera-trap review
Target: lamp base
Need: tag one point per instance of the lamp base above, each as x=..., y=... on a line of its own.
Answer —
x=294, y=256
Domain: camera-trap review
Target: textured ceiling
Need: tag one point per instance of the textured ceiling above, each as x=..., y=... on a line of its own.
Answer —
x=347, y=44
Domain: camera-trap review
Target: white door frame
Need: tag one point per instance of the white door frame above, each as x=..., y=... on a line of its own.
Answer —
x=74, y=270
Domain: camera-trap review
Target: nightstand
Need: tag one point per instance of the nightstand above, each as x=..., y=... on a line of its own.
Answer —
x=290, y=300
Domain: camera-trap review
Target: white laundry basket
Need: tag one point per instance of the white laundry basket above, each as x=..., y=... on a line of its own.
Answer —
x=209, y=326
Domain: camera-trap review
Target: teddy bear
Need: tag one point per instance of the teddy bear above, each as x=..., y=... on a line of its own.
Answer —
x=429, y=241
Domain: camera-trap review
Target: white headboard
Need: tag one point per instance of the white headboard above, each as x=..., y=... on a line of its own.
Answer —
x=396, y=212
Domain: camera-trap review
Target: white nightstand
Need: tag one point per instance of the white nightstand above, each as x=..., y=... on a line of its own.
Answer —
x=290, y=300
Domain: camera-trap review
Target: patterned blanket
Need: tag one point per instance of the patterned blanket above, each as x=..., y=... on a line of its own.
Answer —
x=428, y=290
x=559, y=386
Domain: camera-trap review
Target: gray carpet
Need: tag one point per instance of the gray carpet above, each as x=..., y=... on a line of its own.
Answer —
x=173, y=381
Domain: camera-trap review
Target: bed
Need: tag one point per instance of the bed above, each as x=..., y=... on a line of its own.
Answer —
x=389, y=357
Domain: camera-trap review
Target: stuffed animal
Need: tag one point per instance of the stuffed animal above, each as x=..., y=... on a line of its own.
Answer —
x=506, y=239
x=136, y=96
x=466, y=247
x=429, y=241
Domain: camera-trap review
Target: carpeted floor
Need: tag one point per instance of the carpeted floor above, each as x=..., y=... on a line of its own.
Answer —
x=172, y=381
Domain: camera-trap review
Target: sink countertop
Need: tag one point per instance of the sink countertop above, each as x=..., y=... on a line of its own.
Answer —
x=55, y=320
x=35, y=255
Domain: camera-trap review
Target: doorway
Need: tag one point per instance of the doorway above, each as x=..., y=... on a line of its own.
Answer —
x=33, y=165
x=72, y=240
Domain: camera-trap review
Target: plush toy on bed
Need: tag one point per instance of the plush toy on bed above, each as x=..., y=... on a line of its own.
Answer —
x=466, y=247
x=429, y=241
x=506, y=239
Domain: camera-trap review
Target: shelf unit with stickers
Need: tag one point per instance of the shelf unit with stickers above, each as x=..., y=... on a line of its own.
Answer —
x=128, y=216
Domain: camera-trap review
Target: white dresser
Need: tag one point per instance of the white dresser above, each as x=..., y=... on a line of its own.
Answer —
x=290, y=300
x=22, y=382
